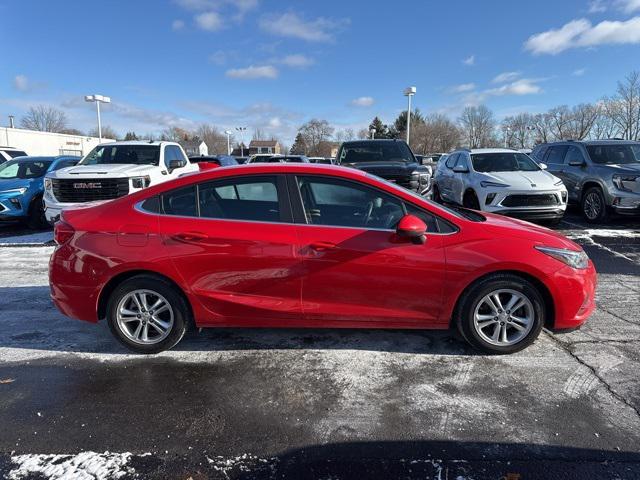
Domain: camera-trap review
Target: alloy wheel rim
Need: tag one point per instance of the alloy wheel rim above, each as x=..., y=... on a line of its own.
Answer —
x=144, y=317
x=503, y=317
x=592, y=206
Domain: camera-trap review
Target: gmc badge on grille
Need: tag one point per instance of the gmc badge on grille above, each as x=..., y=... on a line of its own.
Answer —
x=84, y=185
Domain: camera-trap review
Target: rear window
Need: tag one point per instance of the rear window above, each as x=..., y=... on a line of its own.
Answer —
x=123, y=154
x=614, y=154
x=375, y=152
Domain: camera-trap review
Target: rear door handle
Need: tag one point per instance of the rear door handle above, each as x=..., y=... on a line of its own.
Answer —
x=322, y=246
x=190, y=236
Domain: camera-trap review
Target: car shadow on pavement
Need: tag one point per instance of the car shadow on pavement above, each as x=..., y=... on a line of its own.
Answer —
x=30, y=321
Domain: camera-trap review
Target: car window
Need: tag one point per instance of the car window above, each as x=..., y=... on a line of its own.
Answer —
x=65, y=164
x=614, y=154
x=451, y=160
x=428, y=218
x=123, y=154
x=330, y=201
x=462, y=161
x=503, y=162
x=24, y=169
x=539, y=152
x=556, y=154
x=573, y=155
x=15, y=153
x=375, y=151
x=172, y=152
x=252, y=199
x=181, y=201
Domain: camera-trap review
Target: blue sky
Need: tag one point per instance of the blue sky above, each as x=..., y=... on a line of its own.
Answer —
x=275, y=64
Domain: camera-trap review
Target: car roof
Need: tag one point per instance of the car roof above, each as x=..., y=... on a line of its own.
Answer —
x=140, y=142
x=46, y=158
x=489, y=150
x=376, y=140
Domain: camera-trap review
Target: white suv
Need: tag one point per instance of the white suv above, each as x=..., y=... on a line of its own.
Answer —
x=7, y=153
x=500, y=181
x=112, y=170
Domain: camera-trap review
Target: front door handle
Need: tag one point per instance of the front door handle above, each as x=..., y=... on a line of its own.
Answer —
x=191, y=236
x=322, y=246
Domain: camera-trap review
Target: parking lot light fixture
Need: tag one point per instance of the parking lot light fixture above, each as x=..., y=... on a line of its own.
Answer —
x=409, y=92
x=97, y=99
x=228, y=133
x=241, y=130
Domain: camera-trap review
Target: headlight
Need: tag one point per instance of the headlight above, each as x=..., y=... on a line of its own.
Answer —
x=574, y=259
x=622, y=182
x=140, y=182
x=19, y=191
x=487, y=184
x=558, y=183
x=422, y=177
x=47, y=184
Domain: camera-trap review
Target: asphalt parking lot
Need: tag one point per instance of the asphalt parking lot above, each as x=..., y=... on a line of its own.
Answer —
x=322, y=404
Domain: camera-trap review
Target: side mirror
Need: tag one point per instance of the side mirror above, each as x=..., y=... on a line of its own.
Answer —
x=460, y=169
x=173, y=164
x=543, y=166
x=577, y=163
x=412, y=228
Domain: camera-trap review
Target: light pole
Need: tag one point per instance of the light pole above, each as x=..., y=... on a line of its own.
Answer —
x=506, y=133
x=241, y=130
x=409, y=92
x=229, y=133
x=372, y=131
x=97, y=99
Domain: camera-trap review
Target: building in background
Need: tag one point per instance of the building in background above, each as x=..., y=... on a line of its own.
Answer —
x=328, y=149
x=194, y=148
x=47, y=143
x=264, y=146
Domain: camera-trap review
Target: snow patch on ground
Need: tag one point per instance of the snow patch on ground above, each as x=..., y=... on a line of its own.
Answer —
x=37, y=239
x=83, y=466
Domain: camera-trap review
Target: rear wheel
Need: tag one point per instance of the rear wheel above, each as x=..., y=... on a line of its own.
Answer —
x=470, y=200
x=147, y=314
x=594, y=207
x=501, y=314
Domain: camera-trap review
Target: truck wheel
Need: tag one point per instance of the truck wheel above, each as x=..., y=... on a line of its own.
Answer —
x=36, y=219
x=147, y=314
x=594, y=206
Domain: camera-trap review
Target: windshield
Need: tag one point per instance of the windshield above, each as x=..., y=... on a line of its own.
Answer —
x=23, y=169
x=614, y=154
x=376, y=152
x=503, y=162
x=123, y=154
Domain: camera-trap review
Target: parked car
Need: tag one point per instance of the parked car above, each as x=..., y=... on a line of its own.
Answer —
x=261, y=157
x=602, y=176
x=302, y=245
x=500, y=181
x=112, y=170
x=207, y=162
x=241, y=160
x=7, y=153
x=388, y=159
x=323, y=160
x=281, y=159
x=22, y=187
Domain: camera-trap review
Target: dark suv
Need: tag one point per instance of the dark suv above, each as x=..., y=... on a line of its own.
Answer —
x=600, y=175
x=388, y=159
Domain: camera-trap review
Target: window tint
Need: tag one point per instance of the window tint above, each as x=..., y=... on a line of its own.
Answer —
x=151, y=205
x=462, y=161
x=329, y=201
x=123, y=154
x=614, y=154
x=573, y=155
x=503, y=162
x=372, y=151
x=171, y=152
x=451, y=160
x=539, y=153
x=429, y=219
x=253, y=199
x=65, y=164
x=556, y=155
x=181, y=202
x=23, y=169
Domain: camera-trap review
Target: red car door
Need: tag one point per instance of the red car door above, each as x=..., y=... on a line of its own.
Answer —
x=356, y=268
x=230, y=242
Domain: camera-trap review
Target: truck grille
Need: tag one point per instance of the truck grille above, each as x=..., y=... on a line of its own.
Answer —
x=398, y=180
x=544, y=200
x=89, y=189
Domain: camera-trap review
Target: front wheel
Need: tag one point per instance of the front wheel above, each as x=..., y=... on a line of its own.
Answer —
x=501, y=314
x=147, y=314
x=594, y=207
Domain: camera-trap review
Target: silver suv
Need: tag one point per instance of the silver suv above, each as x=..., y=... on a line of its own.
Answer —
x=601, y=175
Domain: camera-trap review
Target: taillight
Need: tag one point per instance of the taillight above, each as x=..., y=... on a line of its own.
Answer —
x=62, y=232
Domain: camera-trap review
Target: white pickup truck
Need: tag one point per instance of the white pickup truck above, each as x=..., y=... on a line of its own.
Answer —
x=112, y=170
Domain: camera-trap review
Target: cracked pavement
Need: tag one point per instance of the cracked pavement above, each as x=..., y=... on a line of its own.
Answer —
x=270, y=403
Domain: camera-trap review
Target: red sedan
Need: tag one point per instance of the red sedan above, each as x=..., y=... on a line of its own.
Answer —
x=291, y=245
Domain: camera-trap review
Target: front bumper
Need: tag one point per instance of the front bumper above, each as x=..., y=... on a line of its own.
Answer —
x=574, y=296
x=626, y=203
x=13, y=207
x=529, y=214
x=494, y=200
x=53, y=209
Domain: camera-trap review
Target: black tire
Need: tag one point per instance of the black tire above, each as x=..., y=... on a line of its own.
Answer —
x=436, y=194
x=36, y=219
x=470, y=200
x=476, y=293
x=594, y=206
x=158, y=285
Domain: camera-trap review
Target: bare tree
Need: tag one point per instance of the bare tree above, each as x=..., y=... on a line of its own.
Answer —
x=345, y=135
x=258, y=134
x=519, y=130
x=44, y=119
x=478, y=125
x=216, y=141
x=107, y=132
x=434, y=134
x=543, y=124
x=363, y=133
x=583, y=117
x=604, y=125
x=624, y=107
x=175, y=134
x=315, y=132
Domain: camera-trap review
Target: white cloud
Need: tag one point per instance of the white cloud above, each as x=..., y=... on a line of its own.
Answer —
x=462, y=88
x=252, y=72
x=506, y=77
x=470, y=60
x=582, y=33
x=177, y=25
x=21, y=83
x=297, y=61
x=362, y=102
x=291, y=25
x=210, y=21
x=579, y=72
x=275, y=122
x=524, y=86
x=597, y=6
x=629, y=6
